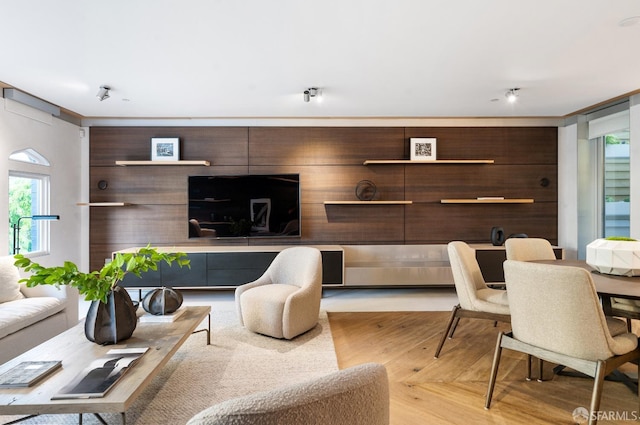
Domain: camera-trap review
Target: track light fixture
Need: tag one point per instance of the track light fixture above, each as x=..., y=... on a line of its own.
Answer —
x=103, y=93
x=310, y=92
x=512, y=95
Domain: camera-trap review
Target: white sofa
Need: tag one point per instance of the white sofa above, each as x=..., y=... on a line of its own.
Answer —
x=28, y=316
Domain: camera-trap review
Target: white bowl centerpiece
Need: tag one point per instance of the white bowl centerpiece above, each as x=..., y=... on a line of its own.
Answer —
x=615, y=255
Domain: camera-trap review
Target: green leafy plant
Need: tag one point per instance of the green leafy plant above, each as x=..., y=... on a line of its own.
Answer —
x=620, y=238
x=95, y=285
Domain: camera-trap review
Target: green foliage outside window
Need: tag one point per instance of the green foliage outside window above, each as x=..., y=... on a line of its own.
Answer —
x=20, y=206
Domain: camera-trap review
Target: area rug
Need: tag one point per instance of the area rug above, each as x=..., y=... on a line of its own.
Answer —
x=237, y=362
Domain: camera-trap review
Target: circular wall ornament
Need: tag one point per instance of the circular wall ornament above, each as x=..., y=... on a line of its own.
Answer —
x=366, y=190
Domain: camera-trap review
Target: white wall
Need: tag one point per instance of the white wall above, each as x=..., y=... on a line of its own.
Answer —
x=60, y=142
x=568, y=190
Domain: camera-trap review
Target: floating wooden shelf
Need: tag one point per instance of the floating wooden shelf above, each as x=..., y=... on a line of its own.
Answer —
x=487, y=201
x=438, y=161
x=367, y=202
x=126, y=163
x=103, y=204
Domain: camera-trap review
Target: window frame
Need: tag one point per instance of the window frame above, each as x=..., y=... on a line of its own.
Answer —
x=42, y=242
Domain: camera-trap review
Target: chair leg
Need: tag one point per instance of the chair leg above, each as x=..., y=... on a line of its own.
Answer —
x=454, y=327
x=494, y=370
x=597, y=393
x=528, y=378
x=452, y=319
x=540, y=370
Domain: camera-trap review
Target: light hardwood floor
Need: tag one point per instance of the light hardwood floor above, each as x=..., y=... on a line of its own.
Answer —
x=451, y=389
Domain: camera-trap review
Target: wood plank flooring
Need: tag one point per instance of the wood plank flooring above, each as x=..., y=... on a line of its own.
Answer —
x=452, y=388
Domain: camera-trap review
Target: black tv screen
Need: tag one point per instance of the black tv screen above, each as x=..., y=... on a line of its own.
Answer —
x=244, y=206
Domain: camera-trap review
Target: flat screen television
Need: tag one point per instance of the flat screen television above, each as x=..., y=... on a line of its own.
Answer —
x=244, y=206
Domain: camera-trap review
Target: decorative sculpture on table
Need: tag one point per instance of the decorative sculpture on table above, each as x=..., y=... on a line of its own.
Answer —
x=615, y=255
x=162, y=301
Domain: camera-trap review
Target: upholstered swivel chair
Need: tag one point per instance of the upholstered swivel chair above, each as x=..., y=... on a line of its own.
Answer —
x=285, y=301
x=529, y=249
x=476, y=299
x=196, y=231
x=355, y=396
x=556, y=316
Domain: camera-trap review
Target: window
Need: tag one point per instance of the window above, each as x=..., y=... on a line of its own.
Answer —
x=28, y=197
x=604, y=176
x=616, y=189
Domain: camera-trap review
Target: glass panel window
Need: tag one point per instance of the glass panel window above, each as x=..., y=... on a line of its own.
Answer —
x=28, y=203
x=616, y=189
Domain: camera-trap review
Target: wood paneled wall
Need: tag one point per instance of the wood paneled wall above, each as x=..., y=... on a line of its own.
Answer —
x=330, y=163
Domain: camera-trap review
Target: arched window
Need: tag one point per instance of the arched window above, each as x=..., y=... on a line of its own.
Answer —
x=29, y=155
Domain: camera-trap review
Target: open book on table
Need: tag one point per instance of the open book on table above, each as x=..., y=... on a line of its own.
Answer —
x=102, y=374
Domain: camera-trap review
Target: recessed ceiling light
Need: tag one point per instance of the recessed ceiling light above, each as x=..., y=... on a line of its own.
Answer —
x=629, y=22
x=512, y=95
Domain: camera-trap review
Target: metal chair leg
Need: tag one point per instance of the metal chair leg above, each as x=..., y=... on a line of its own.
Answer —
x=452, y=318
x=597, y=393
x=494, y=370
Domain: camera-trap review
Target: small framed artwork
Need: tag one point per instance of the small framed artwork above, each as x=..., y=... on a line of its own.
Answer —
x=165, y=149
x=422, y=149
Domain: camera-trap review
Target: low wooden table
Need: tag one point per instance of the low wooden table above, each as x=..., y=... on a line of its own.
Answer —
x=76, y=353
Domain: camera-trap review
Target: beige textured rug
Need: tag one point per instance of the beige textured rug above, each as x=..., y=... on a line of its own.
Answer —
x=236, y=363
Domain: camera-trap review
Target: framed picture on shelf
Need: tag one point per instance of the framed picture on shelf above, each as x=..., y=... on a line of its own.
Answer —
x=165, y=149
x=422, y=149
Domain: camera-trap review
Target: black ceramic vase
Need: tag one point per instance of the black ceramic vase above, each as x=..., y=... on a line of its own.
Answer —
x=162, y=301
x=111, y=322
x=497, y=236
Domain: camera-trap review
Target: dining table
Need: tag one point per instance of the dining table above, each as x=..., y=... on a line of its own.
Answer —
x=607, y=285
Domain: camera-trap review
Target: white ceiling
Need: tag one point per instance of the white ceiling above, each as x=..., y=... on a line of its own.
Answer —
x=371, y=58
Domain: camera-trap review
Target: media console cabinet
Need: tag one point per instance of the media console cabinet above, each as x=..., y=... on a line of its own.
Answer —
x=350, y=266
x=224, y=267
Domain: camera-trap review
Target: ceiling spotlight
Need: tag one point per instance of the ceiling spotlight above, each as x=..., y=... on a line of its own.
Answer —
x=512, y=95
x=103, y=93
x=310, y=92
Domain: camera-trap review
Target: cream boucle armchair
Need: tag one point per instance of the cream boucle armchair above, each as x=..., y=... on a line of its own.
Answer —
x=285, y=301
x=355, y=396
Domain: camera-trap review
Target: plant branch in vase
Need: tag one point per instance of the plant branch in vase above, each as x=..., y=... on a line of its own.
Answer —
x=105, y=323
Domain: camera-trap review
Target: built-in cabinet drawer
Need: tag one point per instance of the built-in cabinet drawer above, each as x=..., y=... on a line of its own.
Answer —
x=236, y=268
x=227, y=270
x=490, y=261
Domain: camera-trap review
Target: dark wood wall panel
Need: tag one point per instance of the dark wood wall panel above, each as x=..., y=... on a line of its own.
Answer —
x=505, y=145
x=150, y=184
x=436, y=223
x=339, y=224
x=338, y=182
x=431, y=183
x=330, y=163
x=220, y=145
x=323, y=145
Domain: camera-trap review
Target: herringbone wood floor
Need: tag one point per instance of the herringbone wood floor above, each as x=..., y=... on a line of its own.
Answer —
x=451, y=389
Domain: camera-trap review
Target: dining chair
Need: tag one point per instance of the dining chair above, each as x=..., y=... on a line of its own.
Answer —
x=529, y=249
x=556, y=316
x=476, y=299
